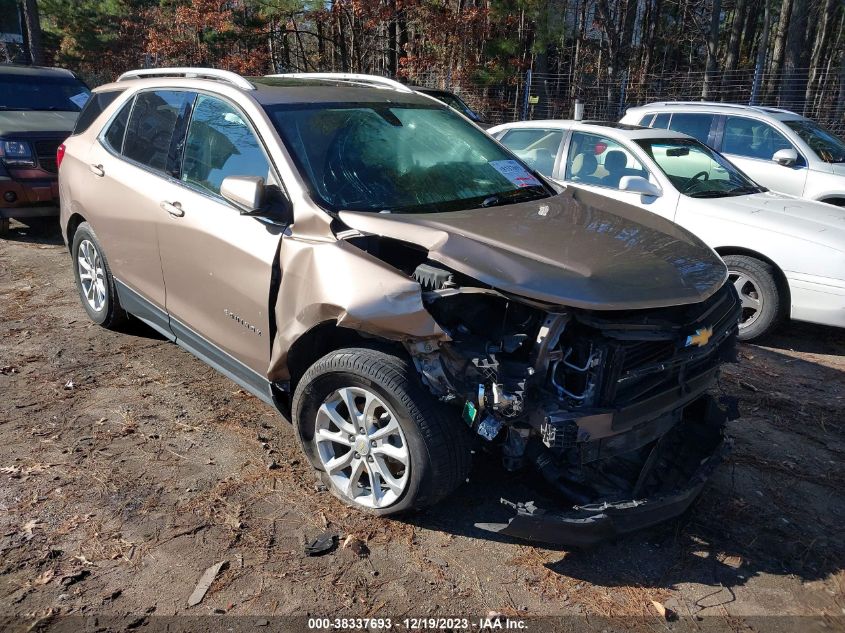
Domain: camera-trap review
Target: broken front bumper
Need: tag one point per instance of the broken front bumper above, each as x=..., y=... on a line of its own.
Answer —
x=592, y=523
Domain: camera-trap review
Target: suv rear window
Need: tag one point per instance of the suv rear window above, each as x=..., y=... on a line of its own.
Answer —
x=151, y=126
x=98, y=102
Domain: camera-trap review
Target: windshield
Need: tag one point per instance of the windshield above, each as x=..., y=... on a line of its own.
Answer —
x=696, y=170
x=399, y=158
x=827, y=146
x=21, y=92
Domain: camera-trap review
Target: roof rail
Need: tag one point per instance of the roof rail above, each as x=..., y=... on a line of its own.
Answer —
x=719, y=104
x=225, y=76
x=350, y=77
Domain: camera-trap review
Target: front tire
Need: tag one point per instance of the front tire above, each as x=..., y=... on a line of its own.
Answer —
x=376, y=436
x=94, y=280
x=765, y=302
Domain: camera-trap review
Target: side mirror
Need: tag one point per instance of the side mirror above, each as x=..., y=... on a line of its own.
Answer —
x=785, y=157
x=638, y=184
x=245, y=192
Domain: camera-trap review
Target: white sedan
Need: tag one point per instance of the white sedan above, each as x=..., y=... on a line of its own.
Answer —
x=785, y=255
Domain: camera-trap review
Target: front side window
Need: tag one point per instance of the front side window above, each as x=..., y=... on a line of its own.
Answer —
x=400, y=158
x=151, y=125
x=31, y=92
x=601, y=161
x=220, y=143
x=696, y=125
x=826, y=145
x=751, y=138
x=696, y=170
x=537, y=147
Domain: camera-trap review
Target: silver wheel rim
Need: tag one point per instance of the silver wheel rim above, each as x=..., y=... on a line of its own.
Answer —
x=362, y=447
x=92, y=276
x=750, y=296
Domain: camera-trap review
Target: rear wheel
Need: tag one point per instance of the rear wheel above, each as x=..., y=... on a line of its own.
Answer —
x=94, y=280
x=764, y=300
x=377, y=437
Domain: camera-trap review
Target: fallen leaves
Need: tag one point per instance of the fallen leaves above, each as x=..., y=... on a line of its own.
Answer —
x=28, y=527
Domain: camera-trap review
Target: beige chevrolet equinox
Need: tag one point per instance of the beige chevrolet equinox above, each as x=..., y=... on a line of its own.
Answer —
x=406, y=291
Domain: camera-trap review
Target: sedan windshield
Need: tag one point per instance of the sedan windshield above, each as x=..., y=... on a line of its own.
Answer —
x=827, y=146
x=696, y=170
x=399, y=158
x=21, y=92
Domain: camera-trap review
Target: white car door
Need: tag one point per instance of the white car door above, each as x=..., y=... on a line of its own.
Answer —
x=598, y=163
x=750, y=144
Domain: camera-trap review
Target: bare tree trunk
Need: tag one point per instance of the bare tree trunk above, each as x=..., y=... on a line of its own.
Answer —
x=762, y=47
x=795, y=58
x=780, y=41
x=822, y=33
x=712, y=51
x=732, y=55
x=33, y=32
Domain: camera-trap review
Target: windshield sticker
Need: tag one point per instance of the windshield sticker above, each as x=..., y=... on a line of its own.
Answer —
x=81, y=99
x=515, y=172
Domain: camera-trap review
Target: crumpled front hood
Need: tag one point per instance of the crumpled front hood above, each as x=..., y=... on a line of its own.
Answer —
x=20, y=122
x=576, y=249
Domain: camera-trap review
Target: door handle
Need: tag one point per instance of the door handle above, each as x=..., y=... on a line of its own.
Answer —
x=173, y=208
x=97, y=170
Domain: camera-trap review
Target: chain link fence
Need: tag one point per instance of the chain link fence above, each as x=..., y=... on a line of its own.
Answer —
x=816, y=93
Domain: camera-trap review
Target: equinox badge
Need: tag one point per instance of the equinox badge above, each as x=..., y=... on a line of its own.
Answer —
x=700, y=338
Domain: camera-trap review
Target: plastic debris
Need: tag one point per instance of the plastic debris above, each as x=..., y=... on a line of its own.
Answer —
x=321, y=545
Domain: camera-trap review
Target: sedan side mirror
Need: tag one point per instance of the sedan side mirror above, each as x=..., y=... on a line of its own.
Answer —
x=638, y=184
x=786, y=157
x=245, y=192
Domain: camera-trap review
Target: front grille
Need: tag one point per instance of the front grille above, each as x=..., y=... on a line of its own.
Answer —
x=640, y=368
x=45, y=150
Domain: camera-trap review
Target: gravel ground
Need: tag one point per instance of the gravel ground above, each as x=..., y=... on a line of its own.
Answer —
x=128, y=467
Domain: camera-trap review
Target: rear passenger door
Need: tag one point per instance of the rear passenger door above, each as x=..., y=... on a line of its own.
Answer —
x=218, y=264
x=128, y=166
x=750, y=144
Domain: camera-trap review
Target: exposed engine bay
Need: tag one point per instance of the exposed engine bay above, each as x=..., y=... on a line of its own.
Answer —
x=609, y=407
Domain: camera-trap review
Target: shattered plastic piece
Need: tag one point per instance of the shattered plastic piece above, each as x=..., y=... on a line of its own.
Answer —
x=489, y=427
x=69, y=385
x=204, y=583
x=322, y=544
x=469, y=413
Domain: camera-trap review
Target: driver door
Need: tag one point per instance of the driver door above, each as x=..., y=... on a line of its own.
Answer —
x=218, y=264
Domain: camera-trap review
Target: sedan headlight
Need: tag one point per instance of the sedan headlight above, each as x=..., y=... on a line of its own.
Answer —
x=17, y=153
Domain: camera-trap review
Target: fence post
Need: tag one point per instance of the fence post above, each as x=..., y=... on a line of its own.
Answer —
x=526, y=94
x=755, y=85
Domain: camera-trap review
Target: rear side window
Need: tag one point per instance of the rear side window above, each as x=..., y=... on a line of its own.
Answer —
x=151, y=125
x=695, y=124
x=537, y=147
x=646, y=120
x=661, y=121
x=117, y=129
x=98, y=102
x=220, y=143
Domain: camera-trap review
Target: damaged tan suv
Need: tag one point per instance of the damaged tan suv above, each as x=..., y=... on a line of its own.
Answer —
x=403, y=287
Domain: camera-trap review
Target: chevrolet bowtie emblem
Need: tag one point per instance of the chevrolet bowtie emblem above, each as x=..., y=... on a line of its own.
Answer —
x=700, y=338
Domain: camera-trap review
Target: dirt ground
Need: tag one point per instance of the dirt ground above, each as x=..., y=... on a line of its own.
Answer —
x=128, y=467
